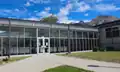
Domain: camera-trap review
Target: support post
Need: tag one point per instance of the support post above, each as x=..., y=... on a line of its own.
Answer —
x=69, y=39
x=9, y=40
x=37, y=49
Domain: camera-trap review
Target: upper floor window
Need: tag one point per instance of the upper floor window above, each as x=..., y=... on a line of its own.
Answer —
x=115, y=32
x=112, y=32
x=108, y=32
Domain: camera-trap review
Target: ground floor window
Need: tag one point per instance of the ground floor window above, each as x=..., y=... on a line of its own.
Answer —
x=57, y=45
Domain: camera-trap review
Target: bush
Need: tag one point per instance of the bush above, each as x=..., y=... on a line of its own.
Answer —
x=5, y=59
x=110, y=49
x=101, y=49
x=95, y=49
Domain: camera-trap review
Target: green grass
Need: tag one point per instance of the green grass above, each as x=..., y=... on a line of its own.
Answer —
x=65, y=68
x=12, y=59
x=101, y=56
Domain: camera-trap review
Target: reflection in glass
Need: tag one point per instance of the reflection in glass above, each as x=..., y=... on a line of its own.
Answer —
x=17, y=32
x=30, y=32
x=43, y=32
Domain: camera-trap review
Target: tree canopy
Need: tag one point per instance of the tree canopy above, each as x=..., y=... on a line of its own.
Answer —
x=50, y=19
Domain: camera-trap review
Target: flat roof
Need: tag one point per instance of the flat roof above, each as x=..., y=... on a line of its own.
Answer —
x=109, y=24
x=39, y=24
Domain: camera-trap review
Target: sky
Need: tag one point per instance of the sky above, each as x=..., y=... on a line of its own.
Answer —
x=66, y=10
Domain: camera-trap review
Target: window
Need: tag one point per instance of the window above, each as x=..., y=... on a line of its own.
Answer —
x=108, y=32
x=54, y=33
x=63, y=33
x=115, y=32
x=91, y=35
x=79, y=34
x=112, y=32
x=95, y=34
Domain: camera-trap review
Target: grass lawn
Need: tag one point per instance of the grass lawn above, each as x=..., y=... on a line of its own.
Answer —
x=12, y=59
x=101, y=56
x=66, y=68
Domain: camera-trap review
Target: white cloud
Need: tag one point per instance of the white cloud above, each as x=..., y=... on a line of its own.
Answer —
x=40, y=1
x=32, y=18
x=17, y=10
x=44, y=13
x=86, y=20
x=86, y=14
x=93, y=1
x=64, y=12
x=82, y=7
x=62, y=0
x=99, y=0
x=35, y=11
x=79, y=6
x=6, y=11
x=66, y=21
x=47, y=8
x=28, y=4
x=106, y=7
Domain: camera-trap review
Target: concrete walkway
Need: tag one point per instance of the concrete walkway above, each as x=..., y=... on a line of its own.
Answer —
x=38, y=63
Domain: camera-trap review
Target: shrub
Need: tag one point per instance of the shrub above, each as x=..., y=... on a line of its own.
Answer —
x=109, y=48
x=95, y=49
x=101, y=49
x=5, y=59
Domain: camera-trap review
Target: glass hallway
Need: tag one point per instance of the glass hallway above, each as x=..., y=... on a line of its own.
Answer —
x=25, y=39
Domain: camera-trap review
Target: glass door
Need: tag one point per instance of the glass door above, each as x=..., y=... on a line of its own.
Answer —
x=44, y=45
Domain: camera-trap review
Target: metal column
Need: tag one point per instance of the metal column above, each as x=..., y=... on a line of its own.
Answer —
x=37, y=49
x=2, y=46
x=17, y=46
x=24, y=38
x=82, y=42
x=69, y=51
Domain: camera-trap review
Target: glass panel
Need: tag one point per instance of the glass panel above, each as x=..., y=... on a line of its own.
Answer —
x=4, y=31
x=5, y=45
x=85, y=35
x=27, y=42
x=54, y=33
x=71, y=34
x=43, y=32
x=30, y=32
x=79, y=34
x=95, y=34
x=21, y=45
x=71, y=45
x=63, y=33
x=81, y=44
x=74, y=44
x=17, y=32
x=74, y=34
x=51, y=45
x=57, y=45
x=90, y=34
x=62, y=45
x=13, y=49
x=34, y=45
x=78, y=45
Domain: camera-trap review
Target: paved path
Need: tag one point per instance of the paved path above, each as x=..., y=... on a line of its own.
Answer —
x=38, y=63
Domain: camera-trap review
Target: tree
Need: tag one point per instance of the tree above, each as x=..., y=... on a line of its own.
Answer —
x=50, y=19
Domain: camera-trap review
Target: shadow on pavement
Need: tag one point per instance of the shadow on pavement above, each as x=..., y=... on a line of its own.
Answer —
x=102, y=66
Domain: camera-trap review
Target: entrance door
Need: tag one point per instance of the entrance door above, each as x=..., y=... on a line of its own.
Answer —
x=44, y=45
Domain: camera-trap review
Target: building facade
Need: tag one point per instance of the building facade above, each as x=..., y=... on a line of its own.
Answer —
x=109, y=35
x=29, y=37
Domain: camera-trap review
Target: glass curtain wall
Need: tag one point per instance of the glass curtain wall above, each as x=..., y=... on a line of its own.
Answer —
x=24, y=40
x=79, y=40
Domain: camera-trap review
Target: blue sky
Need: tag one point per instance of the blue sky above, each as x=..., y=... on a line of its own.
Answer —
x=66, y=10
